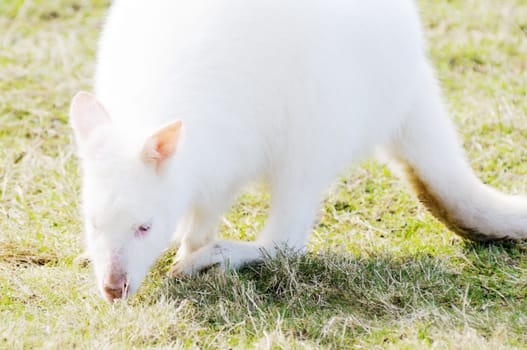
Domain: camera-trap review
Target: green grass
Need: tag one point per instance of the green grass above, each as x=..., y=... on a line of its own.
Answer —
x=381, y=272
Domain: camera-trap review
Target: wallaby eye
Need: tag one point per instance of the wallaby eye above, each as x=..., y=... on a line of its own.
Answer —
x=142, y=230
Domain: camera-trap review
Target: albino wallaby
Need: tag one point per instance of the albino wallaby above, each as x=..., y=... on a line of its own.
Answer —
x=195, y=99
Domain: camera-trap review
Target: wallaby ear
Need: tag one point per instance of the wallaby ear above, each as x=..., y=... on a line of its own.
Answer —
x=162, y=144
x=87, y=114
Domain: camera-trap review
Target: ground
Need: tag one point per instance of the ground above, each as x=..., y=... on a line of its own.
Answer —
x=380, y=272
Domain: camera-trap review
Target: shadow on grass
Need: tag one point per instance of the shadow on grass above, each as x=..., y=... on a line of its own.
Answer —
x=512, y=248
x=13, y=253
x=330, y=299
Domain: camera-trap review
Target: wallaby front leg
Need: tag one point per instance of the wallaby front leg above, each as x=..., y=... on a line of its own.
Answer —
x=293, y=211
x=196, y=231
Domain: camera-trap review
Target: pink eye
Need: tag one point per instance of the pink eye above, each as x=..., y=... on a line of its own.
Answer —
x=142, y=230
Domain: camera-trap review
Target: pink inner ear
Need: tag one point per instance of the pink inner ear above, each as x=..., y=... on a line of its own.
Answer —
x=86, y=114
x=167, y=139
x=162, y=144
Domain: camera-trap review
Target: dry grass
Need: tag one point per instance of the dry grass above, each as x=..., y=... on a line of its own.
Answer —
x=381, y=272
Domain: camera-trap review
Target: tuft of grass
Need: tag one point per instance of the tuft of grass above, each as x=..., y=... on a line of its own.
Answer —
x=380, y=272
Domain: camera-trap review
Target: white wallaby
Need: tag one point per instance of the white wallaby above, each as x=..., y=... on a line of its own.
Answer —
x=195, y=99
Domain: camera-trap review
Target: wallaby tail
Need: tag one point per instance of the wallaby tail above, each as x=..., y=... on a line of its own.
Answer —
x=433, y=162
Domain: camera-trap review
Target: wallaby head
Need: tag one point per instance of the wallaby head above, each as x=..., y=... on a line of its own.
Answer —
x=128, y=219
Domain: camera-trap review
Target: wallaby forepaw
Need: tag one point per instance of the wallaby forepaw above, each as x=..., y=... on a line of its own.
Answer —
x=204, y=259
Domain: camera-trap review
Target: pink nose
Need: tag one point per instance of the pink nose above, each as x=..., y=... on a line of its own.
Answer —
x=115, y=287
x=113, y=293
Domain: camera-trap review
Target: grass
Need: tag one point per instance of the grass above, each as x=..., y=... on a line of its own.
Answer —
x=380, y=272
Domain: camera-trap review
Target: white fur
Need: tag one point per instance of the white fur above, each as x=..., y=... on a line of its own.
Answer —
x=283, y=90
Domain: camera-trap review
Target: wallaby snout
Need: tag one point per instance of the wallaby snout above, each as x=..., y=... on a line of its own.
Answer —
x=115, y=286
